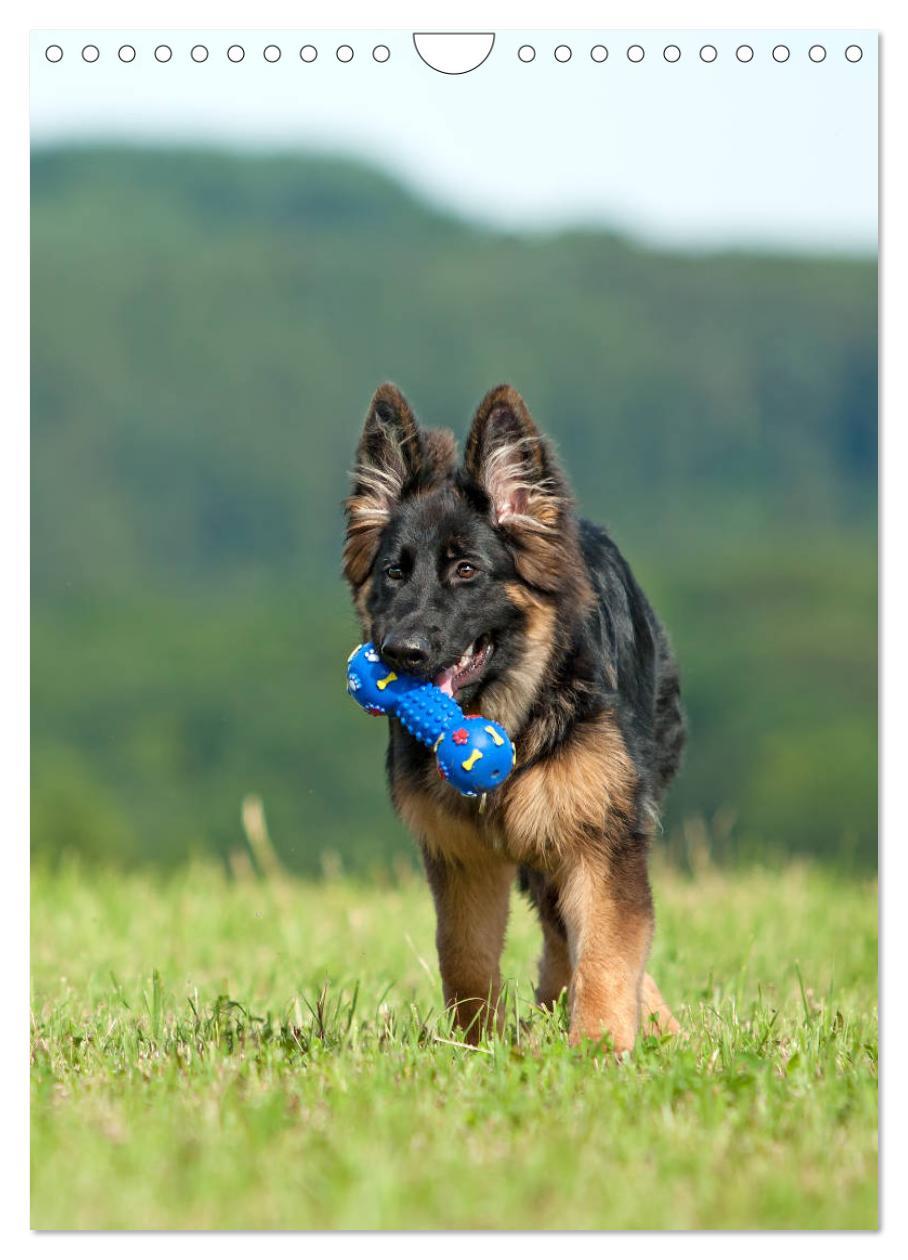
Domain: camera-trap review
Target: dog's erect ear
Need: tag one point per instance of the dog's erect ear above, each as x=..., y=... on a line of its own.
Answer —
x=508, y=456
x=394, y=458
x=528, y=496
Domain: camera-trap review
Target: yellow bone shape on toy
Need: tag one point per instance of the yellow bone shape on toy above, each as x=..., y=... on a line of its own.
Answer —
x=470, y=762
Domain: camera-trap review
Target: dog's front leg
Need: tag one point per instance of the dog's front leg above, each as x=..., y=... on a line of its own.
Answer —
x=655, y=1013
x=471, y=904
x=607, y=908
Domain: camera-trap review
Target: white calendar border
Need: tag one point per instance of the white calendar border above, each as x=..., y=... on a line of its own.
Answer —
x=467, y=15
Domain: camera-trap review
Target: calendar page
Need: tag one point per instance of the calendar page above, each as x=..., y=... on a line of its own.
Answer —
x=535, y=372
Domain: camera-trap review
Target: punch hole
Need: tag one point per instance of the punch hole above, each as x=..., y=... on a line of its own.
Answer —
x=744, y=53
x=599, y=53
x=53, y=53
x=453, y=52
x=199, y=53
x=562, y=53
x=126, y=53
x=708, y=53
x=526, y=52
x=162, y=53
x=853, y=53
x=671, y=53
x=236, y=53
x=817, y=53
x=90, y=52
x=308, y=53
x=345, y=53
x=272, y=53
x=381, y=52
x=635, y=53
x=780, y=53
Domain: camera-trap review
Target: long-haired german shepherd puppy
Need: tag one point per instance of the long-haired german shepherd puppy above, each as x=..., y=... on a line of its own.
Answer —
x=481, y=577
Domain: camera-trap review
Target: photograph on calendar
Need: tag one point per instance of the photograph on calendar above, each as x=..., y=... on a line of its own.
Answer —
x=454, y=630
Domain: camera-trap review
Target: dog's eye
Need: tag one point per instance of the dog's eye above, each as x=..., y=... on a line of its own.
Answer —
x=394, y=573
x=466, y=570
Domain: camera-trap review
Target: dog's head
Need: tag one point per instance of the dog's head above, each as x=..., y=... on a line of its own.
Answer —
x=457, y=571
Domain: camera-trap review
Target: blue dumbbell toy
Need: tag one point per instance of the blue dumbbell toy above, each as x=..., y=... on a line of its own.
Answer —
x=474, y=754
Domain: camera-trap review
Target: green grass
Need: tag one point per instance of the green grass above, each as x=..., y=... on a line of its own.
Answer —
x=210, y=1053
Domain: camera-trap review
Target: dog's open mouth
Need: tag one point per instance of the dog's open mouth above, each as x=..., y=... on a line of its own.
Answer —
x=468, y=669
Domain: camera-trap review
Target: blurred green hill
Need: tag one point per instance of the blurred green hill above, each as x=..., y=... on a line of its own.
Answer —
x=207, y=328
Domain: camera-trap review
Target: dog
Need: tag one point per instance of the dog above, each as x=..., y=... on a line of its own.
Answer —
x=481, y=577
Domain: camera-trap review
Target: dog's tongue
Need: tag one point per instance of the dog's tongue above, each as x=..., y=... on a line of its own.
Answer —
x=445, y=680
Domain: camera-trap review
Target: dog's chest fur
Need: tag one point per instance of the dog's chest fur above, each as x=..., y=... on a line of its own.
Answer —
x=578, y=795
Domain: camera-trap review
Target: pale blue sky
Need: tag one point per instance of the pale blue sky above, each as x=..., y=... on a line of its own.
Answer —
x=693, y=154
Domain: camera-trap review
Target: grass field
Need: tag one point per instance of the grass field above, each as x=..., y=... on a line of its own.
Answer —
x=218, y=1053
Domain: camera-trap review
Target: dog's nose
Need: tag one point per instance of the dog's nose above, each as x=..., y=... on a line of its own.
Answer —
x=408, y=652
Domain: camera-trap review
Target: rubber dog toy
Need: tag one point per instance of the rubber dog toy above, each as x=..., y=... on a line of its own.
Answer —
x=474, y=754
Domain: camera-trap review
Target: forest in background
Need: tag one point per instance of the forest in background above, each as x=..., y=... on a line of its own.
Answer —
x=207, y=328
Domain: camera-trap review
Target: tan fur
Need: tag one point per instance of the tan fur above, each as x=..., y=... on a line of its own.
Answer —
x=449, y=828
x=556, y=808
x=608, y=943
x=564, y=803
x=471, y=904
x=655, y=1014
x=364, y=525
x=508, y=700
x=554, y=815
